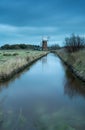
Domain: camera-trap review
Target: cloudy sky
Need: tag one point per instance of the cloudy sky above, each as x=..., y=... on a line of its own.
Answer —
x=27, y=21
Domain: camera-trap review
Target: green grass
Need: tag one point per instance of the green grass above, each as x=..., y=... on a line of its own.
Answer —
x=13, y=61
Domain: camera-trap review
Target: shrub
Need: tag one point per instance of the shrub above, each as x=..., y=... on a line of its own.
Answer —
x=15, y=54
x=6, y=54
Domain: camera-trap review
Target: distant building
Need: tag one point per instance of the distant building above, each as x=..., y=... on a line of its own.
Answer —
x=44, y=45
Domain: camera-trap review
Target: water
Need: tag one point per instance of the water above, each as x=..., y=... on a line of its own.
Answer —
x=46, y=96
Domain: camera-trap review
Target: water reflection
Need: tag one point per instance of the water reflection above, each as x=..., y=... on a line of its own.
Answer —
x=73, y=86
x=6, y=84
x=44, y=62
x=40, y=93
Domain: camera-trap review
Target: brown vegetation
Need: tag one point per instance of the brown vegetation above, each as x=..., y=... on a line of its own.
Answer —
x=17, y=61
x=75, y=61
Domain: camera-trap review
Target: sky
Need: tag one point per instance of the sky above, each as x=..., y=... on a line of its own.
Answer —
x=29, y=21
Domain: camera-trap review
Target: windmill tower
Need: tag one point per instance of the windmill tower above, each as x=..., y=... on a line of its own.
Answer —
x=45, y=43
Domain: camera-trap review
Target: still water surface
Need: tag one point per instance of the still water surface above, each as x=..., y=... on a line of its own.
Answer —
x=46, y=96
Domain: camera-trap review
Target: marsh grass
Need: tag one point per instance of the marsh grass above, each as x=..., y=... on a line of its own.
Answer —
x=11, y=121
x=76, y=60
x=59, y=120
x=22, y=119
x=12, y=62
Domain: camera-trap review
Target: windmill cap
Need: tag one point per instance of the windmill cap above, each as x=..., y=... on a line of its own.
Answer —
x=45, y=39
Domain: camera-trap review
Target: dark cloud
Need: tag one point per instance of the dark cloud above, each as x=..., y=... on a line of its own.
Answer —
x=56, y=17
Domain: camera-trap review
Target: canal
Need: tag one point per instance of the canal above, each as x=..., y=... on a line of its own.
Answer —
x=46, y=96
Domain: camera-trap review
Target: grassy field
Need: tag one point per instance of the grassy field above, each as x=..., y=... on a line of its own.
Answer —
x=12, y=61
x=76, y=60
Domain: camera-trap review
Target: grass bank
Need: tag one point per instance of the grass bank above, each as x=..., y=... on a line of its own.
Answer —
x=12, y=62
x=75, y=61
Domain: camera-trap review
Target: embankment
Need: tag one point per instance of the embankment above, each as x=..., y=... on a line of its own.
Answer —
x=75, y=61
x=13, y=64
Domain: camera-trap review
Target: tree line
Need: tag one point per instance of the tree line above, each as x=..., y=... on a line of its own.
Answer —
x=18, y=46
x=54, y=47
x=74, y=43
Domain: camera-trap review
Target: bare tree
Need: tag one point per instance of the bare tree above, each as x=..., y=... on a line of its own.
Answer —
x=74, y=43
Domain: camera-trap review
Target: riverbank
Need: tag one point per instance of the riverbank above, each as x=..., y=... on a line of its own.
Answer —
x=75, y=61
x=12, y=62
